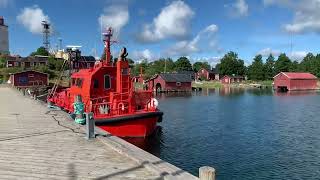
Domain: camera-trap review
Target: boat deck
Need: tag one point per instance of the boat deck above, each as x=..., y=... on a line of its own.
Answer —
x=36, y=143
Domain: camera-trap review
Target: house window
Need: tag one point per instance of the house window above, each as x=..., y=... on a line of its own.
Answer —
x=16, y=64
x=107, y=82
x=30, y=75
x=178, y=83
x=95, y=83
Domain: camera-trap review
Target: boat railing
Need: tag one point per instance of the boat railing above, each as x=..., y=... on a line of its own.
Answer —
x=107, y=109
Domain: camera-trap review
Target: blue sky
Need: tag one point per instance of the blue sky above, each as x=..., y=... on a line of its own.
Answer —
x=201, y=30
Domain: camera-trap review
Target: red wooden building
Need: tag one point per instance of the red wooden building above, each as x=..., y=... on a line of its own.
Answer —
x=29, y=79
x=232, y=79
x=138, y=79
x=208, y=74
x=169, y=82
x=289, y=81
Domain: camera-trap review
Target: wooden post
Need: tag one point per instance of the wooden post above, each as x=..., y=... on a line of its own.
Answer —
x=90, y=126
x=207, y=173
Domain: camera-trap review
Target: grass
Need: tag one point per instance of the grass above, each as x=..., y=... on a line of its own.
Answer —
x=207, y=84
x=264, y=83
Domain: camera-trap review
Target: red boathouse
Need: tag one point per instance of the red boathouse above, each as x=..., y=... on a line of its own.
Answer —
x=290, y=81
x=169, y=82
x=232, y=79
x=29, y=79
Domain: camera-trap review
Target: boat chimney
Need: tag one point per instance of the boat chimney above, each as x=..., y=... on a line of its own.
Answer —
x=122, y=72
x=1, y=21
x=107, y=42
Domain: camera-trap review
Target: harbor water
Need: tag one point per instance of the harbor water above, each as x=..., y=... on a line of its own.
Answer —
x=242, y=133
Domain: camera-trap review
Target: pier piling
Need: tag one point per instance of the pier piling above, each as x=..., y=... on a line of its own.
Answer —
x=207, y=173
x=90, y=126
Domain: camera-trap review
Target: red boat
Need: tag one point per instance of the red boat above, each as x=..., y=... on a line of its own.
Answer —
x=107, y=90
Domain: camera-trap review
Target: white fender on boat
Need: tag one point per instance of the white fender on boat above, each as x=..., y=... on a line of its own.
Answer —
x=121, y=105
x=153, y=103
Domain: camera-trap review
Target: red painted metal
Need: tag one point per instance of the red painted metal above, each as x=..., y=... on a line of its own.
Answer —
x=295, y=81
x=108, y=92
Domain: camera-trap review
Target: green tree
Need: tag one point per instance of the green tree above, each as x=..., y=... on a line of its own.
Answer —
x=269, y=67
x=282, y=64
x=198, y=65
x=2, y=62
x=183, y=64
x=41, y=51
x=230, y=64
x=294, y=67
x=256, y=69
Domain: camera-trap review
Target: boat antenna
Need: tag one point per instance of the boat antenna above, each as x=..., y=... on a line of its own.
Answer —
x=107, y=42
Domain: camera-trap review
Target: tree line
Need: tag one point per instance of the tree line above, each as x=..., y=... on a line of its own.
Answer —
x=231, y=64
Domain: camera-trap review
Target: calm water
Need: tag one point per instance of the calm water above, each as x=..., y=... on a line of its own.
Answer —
x=244, y=134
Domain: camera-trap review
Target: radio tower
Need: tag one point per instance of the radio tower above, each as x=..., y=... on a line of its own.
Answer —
x=46, y=34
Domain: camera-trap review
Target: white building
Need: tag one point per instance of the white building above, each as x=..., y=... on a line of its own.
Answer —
x=4, y=37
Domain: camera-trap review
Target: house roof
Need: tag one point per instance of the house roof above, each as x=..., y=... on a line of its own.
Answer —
x=297, y=75
x=172, y=77
x=29, y=71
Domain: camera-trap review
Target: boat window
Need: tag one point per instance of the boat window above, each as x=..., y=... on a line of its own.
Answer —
x=107, y=82
x=125, y=71
x=178, y=83
x=79, y=82
x=73, y=81
x=95, y=83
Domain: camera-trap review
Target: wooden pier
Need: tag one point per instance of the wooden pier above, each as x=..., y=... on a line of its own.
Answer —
x=38, y=143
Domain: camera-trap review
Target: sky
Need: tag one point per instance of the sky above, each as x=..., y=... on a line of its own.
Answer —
x=201, y=30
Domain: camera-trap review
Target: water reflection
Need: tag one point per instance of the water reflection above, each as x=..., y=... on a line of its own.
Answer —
x=151, y=144
x=231, y=91
x=173, y=94
x=235, y=129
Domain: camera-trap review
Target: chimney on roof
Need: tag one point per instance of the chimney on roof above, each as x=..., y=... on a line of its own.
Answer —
x=1, y=21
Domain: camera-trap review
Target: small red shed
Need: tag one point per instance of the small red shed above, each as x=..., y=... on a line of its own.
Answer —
x=29, y=78
x=290, y=81
x=169, y=82
x=232, y=79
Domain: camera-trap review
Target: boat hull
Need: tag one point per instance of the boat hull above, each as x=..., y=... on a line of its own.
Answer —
x=137, y=125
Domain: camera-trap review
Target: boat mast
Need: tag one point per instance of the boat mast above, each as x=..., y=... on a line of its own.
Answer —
x=107, y=42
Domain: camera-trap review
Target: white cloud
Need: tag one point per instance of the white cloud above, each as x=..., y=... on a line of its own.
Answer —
x=238, y=9
x=115, y=16
x=172, y=22
x=267, y=51
x=294, y=55
x=279, y=2
x=204, y=40
x=297, y=55
x=4, y=3
x=31, y=18
x=213, y=61
x=145, y=54
x=241, y=7
x=306, y=15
